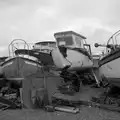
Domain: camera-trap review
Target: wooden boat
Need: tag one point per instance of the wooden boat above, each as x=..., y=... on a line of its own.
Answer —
x=109, y=63
x=20, y=64
x=72, y=51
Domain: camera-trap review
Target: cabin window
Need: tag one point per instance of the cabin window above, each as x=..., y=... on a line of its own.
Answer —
x=52, y=45
x=78, y=41
x=68, y=41
x=44, y=44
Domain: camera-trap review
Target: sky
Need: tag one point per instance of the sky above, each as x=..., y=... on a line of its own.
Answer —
x=38, y=20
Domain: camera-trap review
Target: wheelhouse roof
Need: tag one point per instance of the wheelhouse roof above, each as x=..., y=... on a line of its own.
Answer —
x=69, y=32
x=43, y=42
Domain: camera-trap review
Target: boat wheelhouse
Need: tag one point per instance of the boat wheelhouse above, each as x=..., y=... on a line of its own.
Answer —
x=44, y=46
x=72, y=51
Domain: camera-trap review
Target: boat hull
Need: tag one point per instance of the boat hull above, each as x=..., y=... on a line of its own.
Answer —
x=111, y=71
x=73, y=58
x=20, y=67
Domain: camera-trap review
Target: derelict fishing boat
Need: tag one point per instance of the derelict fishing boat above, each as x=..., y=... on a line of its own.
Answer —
x=44, y=46
x=20, y=63
x=110, y=61
x=72, y=51
x=43, y=50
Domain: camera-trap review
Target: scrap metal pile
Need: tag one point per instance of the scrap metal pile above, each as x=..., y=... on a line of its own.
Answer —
x=73, y=81
x=10, y=97
x=108, y=100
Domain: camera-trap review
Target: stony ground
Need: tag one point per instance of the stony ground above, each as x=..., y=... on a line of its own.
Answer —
x=86, y=113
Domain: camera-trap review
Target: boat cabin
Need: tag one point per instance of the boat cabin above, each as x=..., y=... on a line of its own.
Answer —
x=70, y=39
x=44, y=46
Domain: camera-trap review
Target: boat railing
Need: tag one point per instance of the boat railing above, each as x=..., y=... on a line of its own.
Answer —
x=17, y=44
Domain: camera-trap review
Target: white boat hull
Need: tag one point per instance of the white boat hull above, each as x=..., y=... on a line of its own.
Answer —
x=109, y=64
x=74, y=59
x=111, y=71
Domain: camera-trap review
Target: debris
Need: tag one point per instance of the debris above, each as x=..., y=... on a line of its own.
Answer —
x=109, y=100
x=67, y=109
x=12, y=105
x=3, y=106
x=107, y=107
x=50, y=108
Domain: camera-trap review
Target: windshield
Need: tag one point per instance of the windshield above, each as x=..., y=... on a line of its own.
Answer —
x=67, y=41
x=45, y=45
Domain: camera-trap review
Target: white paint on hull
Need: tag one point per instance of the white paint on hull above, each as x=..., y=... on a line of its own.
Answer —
x=58, y=59
x=31, y=63
x=74, y=58
x=111, y=69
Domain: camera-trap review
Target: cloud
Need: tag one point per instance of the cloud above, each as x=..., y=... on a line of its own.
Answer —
x=113, y=18
x=38, y=20
x=100, y=36
x=3, y=50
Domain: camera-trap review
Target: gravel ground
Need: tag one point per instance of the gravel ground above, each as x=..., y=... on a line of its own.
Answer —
x=86, y=113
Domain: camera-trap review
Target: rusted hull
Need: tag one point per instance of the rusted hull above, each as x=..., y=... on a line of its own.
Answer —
x=19, y=68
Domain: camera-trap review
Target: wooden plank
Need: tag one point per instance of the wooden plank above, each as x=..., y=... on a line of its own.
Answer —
x=67, y=109
x=3, y=106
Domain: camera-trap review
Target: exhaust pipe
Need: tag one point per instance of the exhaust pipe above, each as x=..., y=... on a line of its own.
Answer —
x=108, y=46
x=97, y=45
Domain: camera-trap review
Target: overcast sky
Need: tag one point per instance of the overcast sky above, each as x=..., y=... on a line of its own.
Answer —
x=38, y=20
